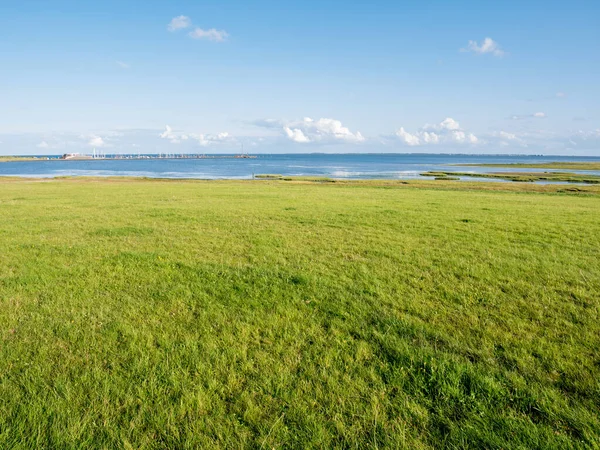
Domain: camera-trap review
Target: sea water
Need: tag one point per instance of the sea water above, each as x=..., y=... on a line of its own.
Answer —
x=345, y=166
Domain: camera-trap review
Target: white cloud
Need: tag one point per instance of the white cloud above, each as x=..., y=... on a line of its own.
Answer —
x=561, y=94
x=123, y=65
x=175, y=138
x=167, y=134
x=96, y=141
x=203, y=140
x=409, y=139
x=508, y=136
x=590, y=134
x=488, y=45
x=296, y=135
x=212, y=34
x=430, y=138
x=505, y=139
x=179, y=23
x=450, y=124
x=447, y=131
x=208, y=139
x=583, y=141
x=461, y=137
x=307, y=130
x=272, y=138
x=42, y=144
x=537, y=115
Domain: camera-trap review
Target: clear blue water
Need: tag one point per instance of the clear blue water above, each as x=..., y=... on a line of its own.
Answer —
x=382, y=166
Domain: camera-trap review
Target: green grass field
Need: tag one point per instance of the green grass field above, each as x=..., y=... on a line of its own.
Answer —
x=273, y=314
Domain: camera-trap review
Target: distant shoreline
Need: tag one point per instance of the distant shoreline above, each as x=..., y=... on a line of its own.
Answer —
x=24, y=158
x=573, y=158
x=120, y=157
x=575, y=165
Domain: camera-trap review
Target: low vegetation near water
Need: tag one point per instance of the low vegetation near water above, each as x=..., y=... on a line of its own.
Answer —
x=20, y=158
x=271, y=314
x=520, y=176
x=572, y=165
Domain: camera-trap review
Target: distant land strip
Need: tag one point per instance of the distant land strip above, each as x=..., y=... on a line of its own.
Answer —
x=574, y=165
x=77, y=157
x=520, y=176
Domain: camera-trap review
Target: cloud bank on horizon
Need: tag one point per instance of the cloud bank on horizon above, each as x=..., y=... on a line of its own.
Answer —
x=287, y=83
x=313, y=135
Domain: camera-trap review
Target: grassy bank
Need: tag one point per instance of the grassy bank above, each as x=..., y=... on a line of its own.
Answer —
x=176, y=314
x=572, y=165
x=524, y=177
x=20, y=158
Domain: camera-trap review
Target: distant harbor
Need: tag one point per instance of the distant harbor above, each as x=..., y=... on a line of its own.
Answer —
x=101, y=156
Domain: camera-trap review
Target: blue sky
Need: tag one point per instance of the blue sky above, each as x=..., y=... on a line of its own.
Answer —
x=332, y=76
